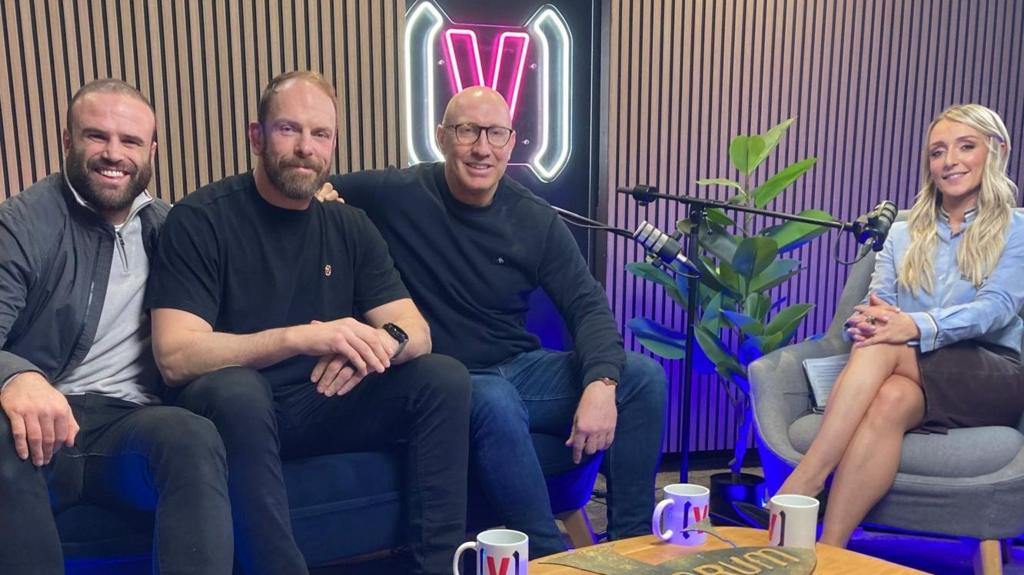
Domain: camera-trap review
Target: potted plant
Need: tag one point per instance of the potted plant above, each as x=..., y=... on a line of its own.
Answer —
x=739, y=320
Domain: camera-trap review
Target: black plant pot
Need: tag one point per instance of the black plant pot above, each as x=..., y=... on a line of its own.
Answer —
x=729, y=487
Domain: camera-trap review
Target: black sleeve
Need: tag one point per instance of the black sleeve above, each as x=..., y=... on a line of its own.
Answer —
x=359, y=188
x=185, y=273
x=565, y=277
x=377, y=282
x=15, y=274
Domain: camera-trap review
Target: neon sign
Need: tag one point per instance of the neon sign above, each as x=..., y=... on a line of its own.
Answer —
x=529, y=65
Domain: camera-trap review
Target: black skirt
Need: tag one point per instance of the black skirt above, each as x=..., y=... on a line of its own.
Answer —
x=971, y=384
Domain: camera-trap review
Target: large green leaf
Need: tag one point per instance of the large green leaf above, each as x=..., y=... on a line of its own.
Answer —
x=757, y=346
x=712, y=237
x=774, y=135
x=757, y=305
x=717, y=216
x=745, y=151
x=792, y=235
x=727, y=275
x=744, y=322
x=649, y=271
x=754, y=255
x=786, y=321
x=720, y=182
x=711, y=319
x=716, y=351
x=776, y=273
x=709, y=277
x=664, y=342
x=774, y=185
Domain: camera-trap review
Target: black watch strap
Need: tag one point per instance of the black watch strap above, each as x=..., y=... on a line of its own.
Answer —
x=400, y=336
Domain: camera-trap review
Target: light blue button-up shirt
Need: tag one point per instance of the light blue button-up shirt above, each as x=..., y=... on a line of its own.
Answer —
x=956, y=310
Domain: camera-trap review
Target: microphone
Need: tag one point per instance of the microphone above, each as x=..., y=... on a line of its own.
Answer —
x=874, y=225
x=664, y=246
x=642, y=193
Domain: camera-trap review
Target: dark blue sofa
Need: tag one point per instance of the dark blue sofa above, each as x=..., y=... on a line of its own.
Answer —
x=355, y=494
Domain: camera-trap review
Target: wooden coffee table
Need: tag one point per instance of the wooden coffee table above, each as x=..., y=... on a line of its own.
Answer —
x=830, y=560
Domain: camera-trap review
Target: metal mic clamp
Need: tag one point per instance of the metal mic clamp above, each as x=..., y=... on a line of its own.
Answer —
x=664, y=246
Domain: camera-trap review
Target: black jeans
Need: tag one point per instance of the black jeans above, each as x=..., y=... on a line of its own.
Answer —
x=125, y=457
x=422, y=405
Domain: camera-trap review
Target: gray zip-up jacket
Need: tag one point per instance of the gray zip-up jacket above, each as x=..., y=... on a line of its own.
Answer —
x=55, y=259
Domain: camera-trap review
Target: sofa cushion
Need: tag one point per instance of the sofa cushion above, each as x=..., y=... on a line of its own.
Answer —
x=345, y=505
x=355, y=494
x=341, y=506
x=967, y=452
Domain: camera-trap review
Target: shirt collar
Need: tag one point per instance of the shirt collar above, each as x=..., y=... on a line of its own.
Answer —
x=969, y=215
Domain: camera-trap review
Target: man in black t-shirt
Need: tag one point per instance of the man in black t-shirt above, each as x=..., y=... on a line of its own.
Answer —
x=472, y=244
x=285, y=322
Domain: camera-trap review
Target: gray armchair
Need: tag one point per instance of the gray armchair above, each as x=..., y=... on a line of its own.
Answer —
x=969, y=483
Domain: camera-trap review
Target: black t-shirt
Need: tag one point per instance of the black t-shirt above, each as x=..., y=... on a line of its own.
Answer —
x=244, y=265
x=471, y=270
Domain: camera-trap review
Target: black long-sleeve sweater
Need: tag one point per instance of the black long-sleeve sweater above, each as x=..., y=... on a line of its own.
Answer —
x=471, y=270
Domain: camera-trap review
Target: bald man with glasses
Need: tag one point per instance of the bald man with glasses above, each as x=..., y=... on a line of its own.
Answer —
x=472, y=244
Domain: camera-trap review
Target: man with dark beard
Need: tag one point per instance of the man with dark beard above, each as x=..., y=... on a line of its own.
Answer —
x=79, y=384
x=284, y=321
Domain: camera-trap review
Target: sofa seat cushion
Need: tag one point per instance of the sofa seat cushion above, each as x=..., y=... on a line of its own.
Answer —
x=966, y=452
x=346, y=505
x=354, y=494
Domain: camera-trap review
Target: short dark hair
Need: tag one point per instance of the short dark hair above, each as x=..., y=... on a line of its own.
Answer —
x=267, y=98
x=109, y=86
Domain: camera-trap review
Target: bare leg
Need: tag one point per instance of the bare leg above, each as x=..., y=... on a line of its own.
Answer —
x=853, y=393
x=869, y=465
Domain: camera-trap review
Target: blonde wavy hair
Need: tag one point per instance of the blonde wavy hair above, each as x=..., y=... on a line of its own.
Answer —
x=985, y=238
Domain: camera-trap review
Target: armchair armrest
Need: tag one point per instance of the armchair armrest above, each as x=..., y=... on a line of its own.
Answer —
x=780, y=392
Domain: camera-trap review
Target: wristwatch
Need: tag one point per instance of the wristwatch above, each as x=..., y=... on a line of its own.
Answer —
x=607, y=381
x=400, y=336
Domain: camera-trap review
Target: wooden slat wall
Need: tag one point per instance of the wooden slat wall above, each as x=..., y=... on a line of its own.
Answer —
x=203, y=65
x=863, y=79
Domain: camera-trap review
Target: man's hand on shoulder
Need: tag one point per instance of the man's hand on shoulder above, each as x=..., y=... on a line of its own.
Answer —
x=41, y=418
x=593, y=427
x=327, y=193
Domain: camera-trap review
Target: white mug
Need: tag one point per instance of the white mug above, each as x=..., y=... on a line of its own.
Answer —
x=498, y=552
x=793, y=521
x=684, y=506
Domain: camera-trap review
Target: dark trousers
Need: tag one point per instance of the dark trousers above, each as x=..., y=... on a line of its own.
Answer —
x=422, y=405
x=127, y=457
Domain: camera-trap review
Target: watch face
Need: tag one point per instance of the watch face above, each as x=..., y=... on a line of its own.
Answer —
x=396, y=332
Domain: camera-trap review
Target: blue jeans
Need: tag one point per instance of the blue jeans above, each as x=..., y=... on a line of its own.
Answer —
x=538, y=391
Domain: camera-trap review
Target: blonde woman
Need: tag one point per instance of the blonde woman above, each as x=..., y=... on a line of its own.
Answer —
x=937, y=344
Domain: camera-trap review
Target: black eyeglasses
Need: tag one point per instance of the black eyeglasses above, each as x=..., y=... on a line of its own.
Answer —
x=497, y=136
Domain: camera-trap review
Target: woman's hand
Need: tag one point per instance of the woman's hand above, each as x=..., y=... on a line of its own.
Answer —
x=880, y=322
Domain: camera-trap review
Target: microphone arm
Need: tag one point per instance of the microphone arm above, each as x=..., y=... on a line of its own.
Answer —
x=654, y=241
x=646, y=194
x=577, y=219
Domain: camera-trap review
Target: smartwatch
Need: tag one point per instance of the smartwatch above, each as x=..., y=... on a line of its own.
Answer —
x=400, y=336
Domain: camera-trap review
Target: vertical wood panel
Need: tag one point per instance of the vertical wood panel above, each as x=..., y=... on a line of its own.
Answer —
x=863, y=79
x=203, y=65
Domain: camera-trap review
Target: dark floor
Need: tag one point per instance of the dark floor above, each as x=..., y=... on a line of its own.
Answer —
x=931, y=555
